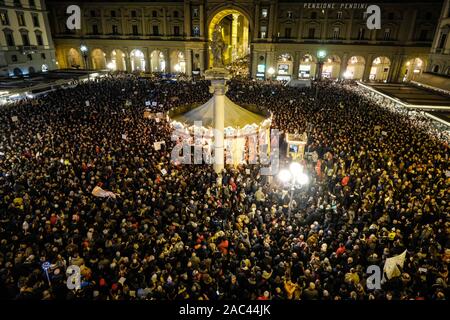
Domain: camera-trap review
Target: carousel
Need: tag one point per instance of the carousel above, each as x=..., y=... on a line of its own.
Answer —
x=245, y=129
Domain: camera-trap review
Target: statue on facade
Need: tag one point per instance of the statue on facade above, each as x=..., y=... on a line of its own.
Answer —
x=217, y=47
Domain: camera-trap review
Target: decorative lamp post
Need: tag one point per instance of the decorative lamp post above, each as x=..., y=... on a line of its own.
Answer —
x=294, y=178
x=321, y=54
x=271, y=72
x=84, y=52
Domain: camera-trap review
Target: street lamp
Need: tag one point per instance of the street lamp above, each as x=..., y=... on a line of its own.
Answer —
x=294, y=177
x=111, y=66
x=321, y=54
x=84, y=51
x=271, y=72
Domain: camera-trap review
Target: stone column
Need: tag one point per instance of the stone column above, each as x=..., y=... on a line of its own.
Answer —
x=296, y=65
x=188, y=60
x=272, y=25
x=143, y=24
x=254, y=63
x=168, y=67
x=367, y=67
x=202, y=22
x=187, y=19
x=165, y=31
x=218, y=77
x=397, y=76
x=203, y=59
x=219, y=88
x=127, y=60
x=392, y=68
x=234, y=36
x=348, y=36
x=256, y=24
x=344, y=64
x=412, y=20
x=147, y=58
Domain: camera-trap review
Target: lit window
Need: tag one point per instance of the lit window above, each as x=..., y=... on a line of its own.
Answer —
x=336, y=31
x=387, y=34
x=264, y=12
x=4, y=18
x=263, y=32
x=21, y=19
x=361, y=33
x=196, y=31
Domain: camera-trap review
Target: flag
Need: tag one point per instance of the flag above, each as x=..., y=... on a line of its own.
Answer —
x=391, y=266
x=99, y=192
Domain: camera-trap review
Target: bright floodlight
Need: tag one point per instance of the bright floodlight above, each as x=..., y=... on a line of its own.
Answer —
x=347, y=74
x=284, y=175
x=111, y=66
x=303, y=178
x=83, y=48
x=295, y=168
x=177, y=68
x=271, y=70
x=321, y=54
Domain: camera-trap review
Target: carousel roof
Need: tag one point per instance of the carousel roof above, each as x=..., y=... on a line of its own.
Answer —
x=235, y=116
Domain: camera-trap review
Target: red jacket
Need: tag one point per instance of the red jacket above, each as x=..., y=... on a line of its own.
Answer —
x=340, y=251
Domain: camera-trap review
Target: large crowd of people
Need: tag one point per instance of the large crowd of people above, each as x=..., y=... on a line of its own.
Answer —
x=378, y=187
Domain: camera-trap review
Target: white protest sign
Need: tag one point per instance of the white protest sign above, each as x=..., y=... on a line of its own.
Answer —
x=14, y=118
x=157, y=145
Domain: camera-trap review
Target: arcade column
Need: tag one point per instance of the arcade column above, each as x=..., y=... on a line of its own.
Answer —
x=188, y=59
x=344, y=64
x=367, y=67
x=296, y=65
x=127, y=61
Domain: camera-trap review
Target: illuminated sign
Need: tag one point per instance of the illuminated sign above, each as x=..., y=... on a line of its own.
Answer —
x=334, y=5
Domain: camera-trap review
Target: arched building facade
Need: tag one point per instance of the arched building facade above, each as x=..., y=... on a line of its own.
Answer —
x=283, y=36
